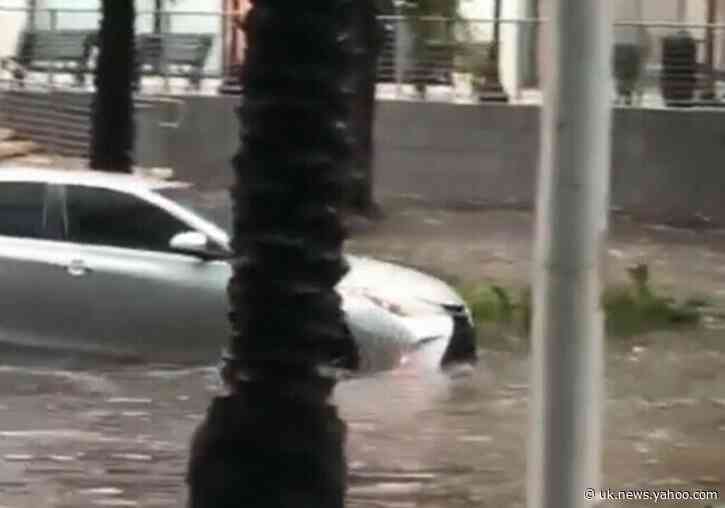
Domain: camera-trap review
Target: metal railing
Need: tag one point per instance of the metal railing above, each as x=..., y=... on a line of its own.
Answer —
x=166, y=62
x=433, y=56
x=669, y=64
x=428, y=58
x=57, y=118
x=447, y=59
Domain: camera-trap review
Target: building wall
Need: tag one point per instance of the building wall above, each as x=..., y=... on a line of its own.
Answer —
x=11, y=23
x=470, y=155
x=476, y=155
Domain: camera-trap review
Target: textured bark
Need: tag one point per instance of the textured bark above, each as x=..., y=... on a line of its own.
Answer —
x=275, y=440
x=370, y=37
x=113, y=133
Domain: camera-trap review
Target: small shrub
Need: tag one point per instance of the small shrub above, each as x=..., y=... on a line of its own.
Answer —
x=486, y=303
x=629, y=310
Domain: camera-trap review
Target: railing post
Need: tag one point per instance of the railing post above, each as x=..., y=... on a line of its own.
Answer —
x=224, y=34
x=165, y=29
x=53, y=27
x=54, y=136
x=32, y=14
x=398, y=52
x=520, y=27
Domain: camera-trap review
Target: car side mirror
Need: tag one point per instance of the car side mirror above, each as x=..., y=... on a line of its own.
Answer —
x=191, y=242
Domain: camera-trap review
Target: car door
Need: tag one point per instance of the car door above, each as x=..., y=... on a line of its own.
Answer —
x=145, y=298
x=41, y=302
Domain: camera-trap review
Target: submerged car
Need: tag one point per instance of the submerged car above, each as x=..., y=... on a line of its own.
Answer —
x=130, y=265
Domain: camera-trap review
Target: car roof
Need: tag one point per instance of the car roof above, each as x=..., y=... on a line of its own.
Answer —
x=138, y=181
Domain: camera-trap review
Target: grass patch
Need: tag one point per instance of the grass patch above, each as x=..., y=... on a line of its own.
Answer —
x=631, y=309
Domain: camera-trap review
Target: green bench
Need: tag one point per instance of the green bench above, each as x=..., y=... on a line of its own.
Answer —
x=52, y=51
x=173, y=55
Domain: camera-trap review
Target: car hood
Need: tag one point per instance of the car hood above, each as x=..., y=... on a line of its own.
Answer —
x=388, y=278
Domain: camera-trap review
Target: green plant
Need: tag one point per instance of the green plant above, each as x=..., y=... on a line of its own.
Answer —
x=637, y=308
x=486, y=303
x=629, y=309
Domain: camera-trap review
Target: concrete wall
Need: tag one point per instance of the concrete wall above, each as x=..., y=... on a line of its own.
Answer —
x=667, y=165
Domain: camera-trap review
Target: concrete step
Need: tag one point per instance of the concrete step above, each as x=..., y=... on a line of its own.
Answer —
x=11, y=149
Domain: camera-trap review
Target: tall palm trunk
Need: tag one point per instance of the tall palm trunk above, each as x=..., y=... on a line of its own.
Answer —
x=371, y=39
x=113, y=133
x=275, y=440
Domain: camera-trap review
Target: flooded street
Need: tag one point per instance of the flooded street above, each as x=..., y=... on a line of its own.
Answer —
x=103, y=434
x=118, y=435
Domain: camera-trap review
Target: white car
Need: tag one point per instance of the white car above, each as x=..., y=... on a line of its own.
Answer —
x=120, y=265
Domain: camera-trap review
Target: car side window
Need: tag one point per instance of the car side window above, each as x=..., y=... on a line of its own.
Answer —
x=22, y=209
x=116, y=219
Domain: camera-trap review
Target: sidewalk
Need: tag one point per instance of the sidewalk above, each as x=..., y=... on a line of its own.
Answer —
x=474, y=246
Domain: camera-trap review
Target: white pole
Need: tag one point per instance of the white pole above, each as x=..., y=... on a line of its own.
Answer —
x=567, y=382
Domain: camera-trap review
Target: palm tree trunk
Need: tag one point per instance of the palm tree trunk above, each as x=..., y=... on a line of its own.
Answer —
x=112, y=134
x=276, y=440
x=371, y=40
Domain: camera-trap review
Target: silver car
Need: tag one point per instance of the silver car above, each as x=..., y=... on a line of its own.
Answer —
x=128, y=265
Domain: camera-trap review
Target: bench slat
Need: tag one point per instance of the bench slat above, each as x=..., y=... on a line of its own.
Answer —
x=176, y=50
x=45, y=45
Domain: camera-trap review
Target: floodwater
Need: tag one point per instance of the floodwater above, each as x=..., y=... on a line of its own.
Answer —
x=117, y=435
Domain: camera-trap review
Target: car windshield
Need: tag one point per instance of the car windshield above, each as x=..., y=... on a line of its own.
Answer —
x=211, y=206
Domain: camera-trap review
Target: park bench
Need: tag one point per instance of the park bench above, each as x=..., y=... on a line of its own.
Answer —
x=433, y=64
x=173, y=55
x=52, y=51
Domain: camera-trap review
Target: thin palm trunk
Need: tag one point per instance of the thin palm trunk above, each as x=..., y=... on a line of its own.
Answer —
x=370, y=38
x=112, y=133
x=275, y=440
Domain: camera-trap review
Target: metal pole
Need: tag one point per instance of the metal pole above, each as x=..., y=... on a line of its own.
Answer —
x=567, y=336
x=708, y=93
x=158, y=9
x=32, y=14
x=398, y=52
x=225, y=37
x=493, y=90
x=165, y=17
x=496, y=23
x=53, y=28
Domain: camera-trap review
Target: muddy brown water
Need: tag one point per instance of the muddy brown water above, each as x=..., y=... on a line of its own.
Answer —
x=115, y=435
x=118, y=435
